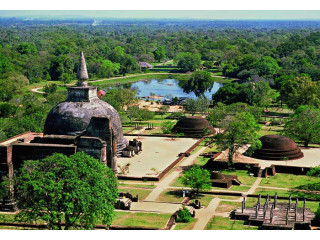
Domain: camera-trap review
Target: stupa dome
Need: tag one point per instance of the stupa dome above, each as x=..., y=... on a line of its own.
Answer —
x=277, y=147
x=73, y=116
x=193, y=126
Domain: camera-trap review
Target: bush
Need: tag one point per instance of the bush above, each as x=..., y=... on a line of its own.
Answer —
x=184, y=215
x=316, y=220
x=7, y=109
x=314, y=172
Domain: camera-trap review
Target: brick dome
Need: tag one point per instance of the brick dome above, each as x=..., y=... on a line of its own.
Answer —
x=278, y=147
x=195, y=126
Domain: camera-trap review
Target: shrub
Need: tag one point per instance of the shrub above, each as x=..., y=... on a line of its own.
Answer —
x=7, y=109
x=316, y=220
x=184, y=215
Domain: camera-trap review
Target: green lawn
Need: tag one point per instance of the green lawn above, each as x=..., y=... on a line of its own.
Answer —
x=176, y=196
x=186, y=226
x=143, y=193
x=243, y=176
x=228, y=197
x=151, y=220
x=282, y=180
x=201, y=161
x=137, y=185
x=226, y=206
x=285, y=193
x=170, y=196
x=222, y=223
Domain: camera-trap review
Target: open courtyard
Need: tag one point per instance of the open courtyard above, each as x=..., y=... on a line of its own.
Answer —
x=158, y=153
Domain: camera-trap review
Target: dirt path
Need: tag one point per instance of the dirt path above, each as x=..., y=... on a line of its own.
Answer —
x=165, y=182
x=205, y=214
x=254, y=186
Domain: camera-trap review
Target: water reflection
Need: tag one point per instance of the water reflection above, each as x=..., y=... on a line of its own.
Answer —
x=166, y=87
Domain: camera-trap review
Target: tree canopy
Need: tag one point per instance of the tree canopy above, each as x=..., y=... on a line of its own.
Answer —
x=304, y=125
x=198, y=83
x=240, y=130
x=197, y=178
x=66, y=192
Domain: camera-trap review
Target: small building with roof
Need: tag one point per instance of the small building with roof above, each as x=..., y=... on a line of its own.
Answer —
x=145, y=65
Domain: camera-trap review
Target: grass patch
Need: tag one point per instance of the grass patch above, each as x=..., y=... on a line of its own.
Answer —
x=170, y=196
x=243, y=176
x=222, y=223
x=177, y=182
x=176, y=197
x=225, y=206
x=228, y=197
x=201, y=161
x=186, y=226
x=240, y=188
x=143, y=193
x=128, y=186
x=282, y=180
x=151, y=220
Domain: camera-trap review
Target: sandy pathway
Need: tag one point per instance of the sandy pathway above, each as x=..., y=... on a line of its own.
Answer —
x=204, y=215
x=165, y=182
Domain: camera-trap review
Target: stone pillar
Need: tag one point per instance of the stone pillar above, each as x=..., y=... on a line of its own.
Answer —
x=290, y=201
x=304, y=209
x=103, y=158
x=114, y=156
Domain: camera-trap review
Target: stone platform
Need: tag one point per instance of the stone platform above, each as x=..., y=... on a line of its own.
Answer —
x=157, y=153
x=275, y=216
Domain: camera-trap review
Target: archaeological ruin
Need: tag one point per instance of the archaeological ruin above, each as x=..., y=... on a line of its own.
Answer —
x=194, y=126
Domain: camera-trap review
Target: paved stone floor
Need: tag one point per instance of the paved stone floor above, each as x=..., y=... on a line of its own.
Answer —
x=311, y=159
x=157, y=152
x=159, y=207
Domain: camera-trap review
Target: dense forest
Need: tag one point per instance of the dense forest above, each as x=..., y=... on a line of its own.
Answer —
x=284, y=54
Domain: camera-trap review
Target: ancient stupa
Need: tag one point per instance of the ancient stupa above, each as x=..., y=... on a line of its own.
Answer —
x=83, y=112
x=278, y=147
x=193, y=126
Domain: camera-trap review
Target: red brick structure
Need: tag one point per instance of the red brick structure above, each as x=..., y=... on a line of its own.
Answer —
x=278, y=147
x=194, y=126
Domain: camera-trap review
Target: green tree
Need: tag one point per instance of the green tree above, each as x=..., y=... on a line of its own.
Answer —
x=167, y=127
x=197, y=178
x=304, y=125
x=163, y=110
x=66, y=78
x=300, y=90
x=12, y=84
x=66, y=192
x=267, y=66
x=159, y=53
x=198, y=83
x=187, y=61
x=240, y=130
x=120, y=98
x=193, y=106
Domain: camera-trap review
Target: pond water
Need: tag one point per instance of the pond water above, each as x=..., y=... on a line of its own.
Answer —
x=167, y=88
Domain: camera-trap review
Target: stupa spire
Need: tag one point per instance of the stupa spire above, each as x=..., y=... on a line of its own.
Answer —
x=82, y=73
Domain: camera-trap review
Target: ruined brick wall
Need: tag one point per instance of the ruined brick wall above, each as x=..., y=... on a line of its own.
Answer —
x=34, y=151
x=93, y=146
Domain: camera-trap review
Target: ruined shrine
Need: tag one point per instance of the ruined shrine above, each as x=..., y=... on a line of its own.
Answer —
x=81, y=123
x=277, y=147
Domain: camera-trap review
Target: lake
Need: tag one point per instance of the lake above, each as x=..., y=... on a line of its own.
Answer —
x=166, y=87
